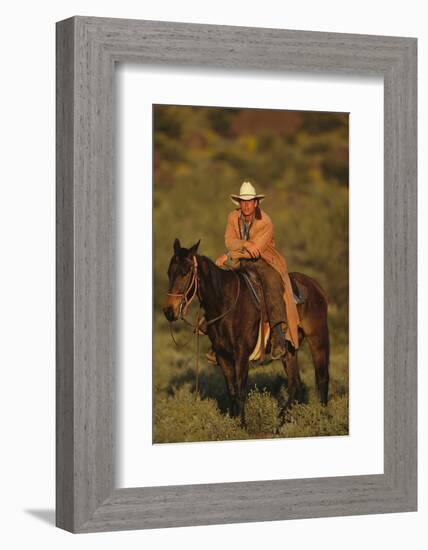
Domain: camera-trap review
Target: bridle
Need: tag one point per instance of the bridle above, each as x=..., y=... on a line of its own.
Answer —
x=185, y=300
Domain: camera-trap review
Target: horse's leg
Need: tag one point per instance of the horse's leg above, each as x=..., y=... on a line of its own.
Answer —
x=319, y=346
x=313, y=315
x=291, y=367
x=241, y=367
x=228, y=368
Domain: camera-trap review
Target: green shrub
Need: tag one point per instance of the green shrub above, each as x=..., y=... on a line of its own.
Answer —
x=261, y=413
x=316, y=420
x=185, y=417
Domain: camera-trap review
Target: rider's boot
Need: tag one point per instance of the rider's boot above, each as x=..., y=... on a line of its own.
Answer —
x=278, y=342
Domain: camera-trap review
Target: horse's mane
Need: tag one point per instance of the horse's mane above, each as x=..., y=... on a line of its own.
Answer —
x=215, y=274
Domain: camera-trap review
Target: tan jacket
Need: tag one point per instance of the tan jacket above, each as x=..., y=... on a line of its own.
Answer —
x=261, y=234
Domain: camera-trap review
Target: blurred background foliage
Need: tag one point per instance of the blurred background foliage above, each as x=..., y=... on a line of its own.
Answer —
x=299, y=160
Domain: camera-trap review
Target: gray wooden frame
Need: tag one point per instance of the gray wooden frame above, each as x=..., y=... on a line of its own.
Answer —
x=87, y=50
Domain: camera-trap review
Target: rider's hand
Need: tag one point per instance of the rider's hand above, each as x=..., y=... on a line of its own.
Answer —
x=253, y=249
x=220, y=260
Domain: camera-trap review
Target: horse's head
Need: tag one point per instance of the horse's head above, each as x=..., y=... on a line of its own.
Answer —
x=182, y=276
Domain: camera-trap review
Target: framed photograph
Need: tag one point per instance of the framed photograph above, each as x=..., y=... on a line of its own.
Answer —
x=236, y=274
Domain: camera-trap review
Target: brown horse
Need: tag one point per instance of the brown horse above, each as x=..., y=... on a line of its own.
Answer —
x=232, y=322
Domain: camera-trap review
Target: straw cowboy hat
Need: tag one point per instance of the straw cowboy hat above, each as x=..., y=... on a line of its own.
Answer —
x=246, y=193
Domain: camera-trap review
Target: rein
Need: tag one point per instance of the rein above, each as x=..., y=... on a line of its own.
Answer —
x=211, y=321
x=184, y=305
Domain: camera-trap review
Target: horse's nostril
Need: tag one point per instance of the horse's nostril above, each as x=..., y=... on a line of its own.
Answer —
x=168, y=313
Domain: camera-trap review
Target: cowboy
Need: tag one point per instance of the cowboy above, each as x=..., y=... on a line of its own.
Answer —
x=249, y=239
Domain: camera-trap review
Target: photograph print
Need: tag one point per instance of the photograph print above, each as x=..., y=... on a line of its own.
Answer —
x=250, y=273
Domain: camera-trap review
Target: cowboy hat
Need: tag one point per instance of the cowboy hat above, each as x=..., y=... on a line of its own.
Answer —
x=246, y=193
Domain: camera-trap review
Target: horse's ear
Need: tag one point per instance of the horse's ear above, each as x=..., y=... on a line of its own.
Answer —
x=193, y=249
x=177, y=246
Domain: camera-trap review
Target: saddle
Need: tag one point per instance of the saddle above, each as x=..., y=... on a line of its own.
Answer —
x=299, y=291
